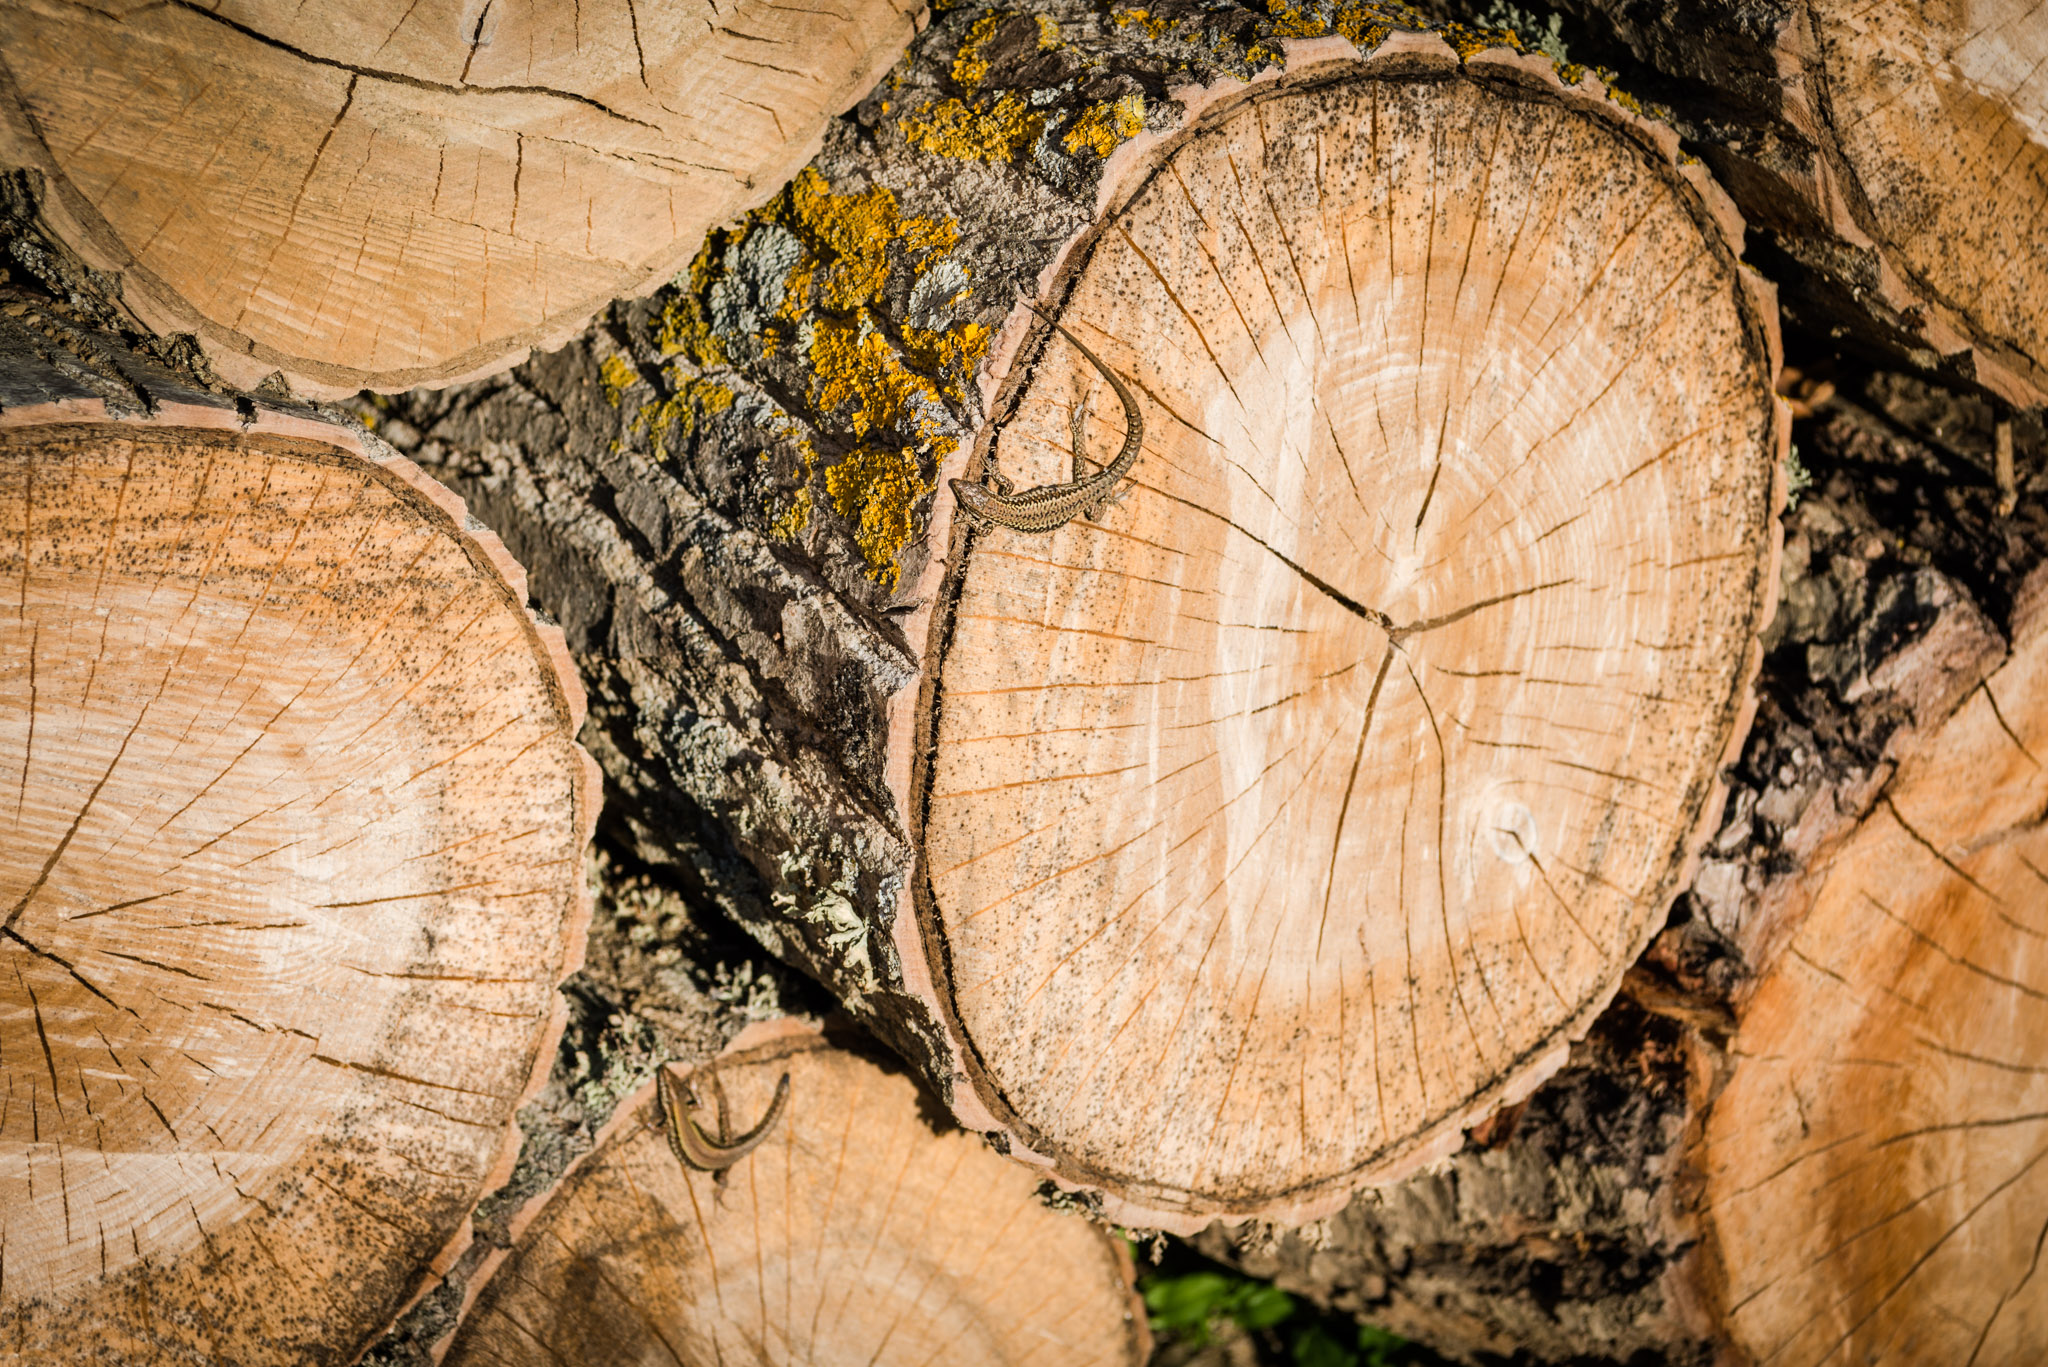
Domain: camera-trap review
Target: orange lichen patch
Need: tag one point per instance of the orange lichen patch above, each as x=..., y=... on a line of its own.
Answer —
x=1154, y=27
x=997, y=132
x=842, y=252
x=617, y=375
x=1107, y=125
x=878, y=490
x=676, y=415
x=970, y=64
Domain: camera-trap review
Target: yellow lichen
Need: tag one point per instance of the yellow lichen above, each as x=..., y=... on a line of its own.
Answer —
x=878, y=489
x=684, y=328
x=953, y=351
x=864, y=376
x=970, y=68
x=885, y=388
x=1106, y=125
x=1048, y=33
x=676, y=415
x=954, y=129
x=854, y=231
x=1468, y=41
x=617, y=375
x=1154, y=28
x=1290, y=22
x=788, y=523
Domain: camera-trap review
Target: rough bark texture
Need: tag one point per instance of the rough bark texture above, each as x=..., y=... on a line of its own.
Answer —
x=745, y=551
x=1891, y=158
x=291, y=875
x=863, y=1231
x=1579, y=1237
x=414, y=191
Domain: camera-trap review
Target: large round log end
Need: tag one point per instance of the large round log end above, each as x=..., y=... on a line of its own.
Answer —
x=295, y=823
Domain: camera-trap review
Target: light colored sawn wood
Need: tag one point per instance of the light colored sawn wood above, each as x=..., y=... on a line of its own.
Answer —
x=1301, y=809
x=291, y=835
x=1941, y=111
x=1878, y=1166
x=395, y=193
x=855, y=1234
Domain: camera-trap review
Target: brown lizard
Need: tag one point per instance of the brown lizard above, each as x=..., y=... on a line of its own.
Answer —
x=695, y=1149
x=1051, y=506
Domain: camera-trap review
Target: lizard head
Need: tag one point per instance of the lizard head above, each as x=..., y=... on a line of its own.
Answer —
x=975, y=500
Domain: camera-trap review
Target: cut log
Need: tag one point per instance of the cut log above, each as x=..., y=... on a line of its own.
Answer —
x=1810, y=1131
x=1877, y=1168
x=293, y=863
x=1241, y=846
x=1894, y=154
x=856, y=1233
x=398, y=194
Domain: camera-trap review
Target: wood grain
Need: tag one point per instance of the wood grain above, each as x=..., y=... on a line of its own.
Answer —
x=393, y=194
x=1300, y=810
x=857, y=1234
x=1941, y=112
x=1877, y=1169
x=294, y=829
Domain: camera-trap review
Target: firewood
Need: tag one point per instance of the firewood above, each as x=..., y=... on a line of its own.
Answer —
x=858, y=1232
x=1875, y=1174
x=1893, y=157
x=1244, y=843
x=294, y=824
x=1812, y=1128
x=397, y=194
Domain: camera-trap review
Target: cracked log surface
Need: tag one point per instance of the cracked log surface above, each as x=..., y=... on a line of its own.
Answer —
x=1368, y=325
x=1892, y=158
x=864, y=1230
x=412, y=191
x=1749, y=1156
x=294, y=828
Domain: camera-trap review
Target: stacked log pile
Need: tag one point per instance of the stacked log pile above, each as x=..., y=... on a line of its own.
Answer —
x=1145, y=780
x=1202, y=571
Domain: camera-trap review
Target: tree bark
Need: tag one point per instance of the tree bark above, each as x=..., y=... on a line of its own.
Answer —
x=404, y=193
x=295, y=824
x=1019, y=800
x=1807, y=1129
x=1892, y=158
x=858, y=1232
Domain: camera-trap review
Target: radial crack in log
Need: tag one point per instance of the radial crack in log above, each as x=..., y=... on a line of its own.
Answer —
x=1283, y=823
x=1241, y=845
x=857, y=1233
x=292, y=863
x=1877, y=1168
x=397, y=194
